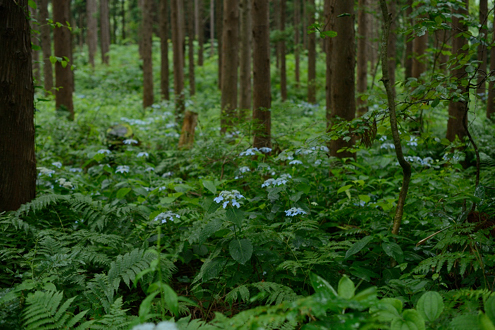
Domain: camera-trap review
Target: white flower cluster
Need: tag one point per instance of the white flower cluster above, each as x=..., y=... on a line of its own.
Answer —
x=295, y=162
x=387, y=146
x=64, y=183
x=143, y=154
x=104, y=151
x=244, y=169
x=283, y=179
x=229, y=197
x=122, y=169
x=130, y=141
x=57, y=164
x=428, y=161
x=413, y=142
x=45, y=171
x=294, y=211
x=164, y=216
x=251, y=151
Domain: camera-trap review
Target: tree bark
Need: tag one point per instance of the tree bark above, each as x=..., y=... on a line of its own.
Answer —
x=490, y=104
x=147, y=17
x=343, y=101
x=122, y=12
x=283, y=66
x=190, y=48
x=392, y=41
x=35, y=52
x=297, y=23
x=63, y=75
x=408, y=58
x=362, y=60
x=46, y=47
x=219, y=27
x=230, y=60
x=212, y=27
x=17, y=156
x=328, y=13
x=178, y=60
x=458, y=110
x=104, y=31
x=200, y=33
x=419, y=48
x=186, y=139
x=164, y=68
x=245, y=58
x=261, y=75
x=311, y=54
x=92, y=34
x=482, y=50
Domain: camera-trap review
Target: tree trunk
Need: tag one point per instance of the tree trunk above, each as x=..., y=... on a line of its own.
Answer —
x=186, y=139
x=178, y=49
x=419, y=61
x=408, y=58
x=190, y=48
x=212, y=27
x=311, y=54
x=147, y=16
x=230, y=60
x=343, y=102
x=441, y=38
x=63, y=75
x=392, y=41
x=245, y=58
x=17, y=157
x=104, y=31
x=490, y=104
x=328, y=13
x=92, y=34
x=482, y=50
x=200, y=31
x=164, y=71
x=261, y=75
x=35, y=51
x=297, y=23
x=362, y=60
x=283, y=67
x=219, y=27
x=122, y=12
x=276, y=26
x=458, y=110
x=305, y=23
x=46, y=47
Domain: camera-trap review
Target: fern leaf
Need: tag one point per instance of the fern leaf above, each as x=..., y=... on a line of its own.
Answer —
x=127, y=266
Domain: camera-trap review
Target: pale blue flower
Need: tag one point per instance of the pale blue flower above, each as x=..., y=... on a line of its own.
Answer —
x=387, y=146
x=244, y=169
x=167, y=174
x=75, y=169
x=143, y=154
x=164, y=216
x=265, y=150
x=283, y=179
x=122, y=169
x=104, y=151
x=229, y=197
x=57, y=164
x=45, y=171
x=294, y=211
x=218, y=199
x=413, y=142
x=130, y=141
x=249, y=152
x=148, y=169
x=295, y=162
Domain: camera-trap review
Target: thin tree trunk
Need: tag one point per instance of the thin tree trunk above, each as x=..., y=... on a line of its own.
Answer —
x=164, y=68
x=490, y=105
x=212, y=27
x=311, y=54
x=186, y=139
x=245, y=58
x=63, y=49
x=482, y=49
x=392, y=41
x=122, y=11
x=362, y=60
x=283, y=67
x=46, y=47
x=305, y=23
x=35, y=51
x=276, y=26
x=147, y=23
x=200, y=31
x=219, y=27
x=408, y=60
x=441, y=37
x=297, y=23
x=92, y=34
x=17, y=157
x=328, y=13
x=178, y=49
x=104, y=31
x=261, y=75
x=190, y=48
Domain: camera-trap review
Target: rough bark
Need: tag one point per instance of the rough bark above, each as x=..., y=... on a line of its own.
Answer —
x=178, y=60
x=46, y=47
x=219, y=27
x=186, y=139
x=17, y=157
x=408, y=58
x=245, y=58
x=311, y=54
x=164, y=67
x=490, y=104
x=200, y=34
x=92, y=30
x=283, y=66
x=230, y=60
x=362, y=60
x=343, y=102
x=297, y=23
x=147, y=50
x=482, y=50
x=190, y=48
x=104, y=31
x=456, y=125
x=261, y=75
x=63, y=49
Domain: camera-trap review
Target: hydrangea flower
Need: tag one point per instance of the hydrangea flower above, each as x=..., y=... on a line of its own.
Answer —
x=104, y=151
x=122, y=169
x=413, y=142
x=265, y=150
x=148, y=169
x=45, y=171
x=249, y=152
x=64, y=183
x=295, y=162
x=303, y=151
x=57, y=164
x=130, y=141
x=387, y=146
x=244, y=169
x=294, y=211
x=143, y=154
x=167, y=174
x=229, y=197
x=75, y=169
x=164, y=216
x=283, y=179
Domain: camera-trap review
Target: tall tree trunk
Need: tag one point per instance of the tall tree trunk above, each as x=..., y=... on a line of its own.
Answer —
x=230, y=60
x=46, y=47
x=362, y=60
x=114, y=19
x=190, y=48
x=328, y=15
x=104, y=31
x=305, y=23
x=343, y=102
x=212, y=27
x=276, y=26
x=261, y=75
x=200, y=33
x=283, y=67
x=245, y=58
x=63, y=75
x=122, y=12
x=392, y=41
x=311, y=54
x=408, y=58
x=441, y=38
x=35, y=51
x=147, y=16
x=482, y=49
x=297, y=23
x=490, y=104
x=178, y=49
x=17, y=157
x=92, y=34
x=458, y=110
x=419, y=48
x=164, y=70
x=219, y=27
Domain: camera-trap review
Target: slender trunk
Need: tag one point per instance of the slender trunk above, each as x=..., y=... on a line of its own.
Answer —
x=92, y=34
x=261, y=75
x=311, y=54
x=164, y=68
x=17, y=157
x=212, y=27
x=482, y=49
x=104, y=31
x=362, y=60
x=63, y=49
x=219, y=27
x=46, y=47
x=408, y=60
x=441, y=37
x=392, y=41
x=328, y=13
x=200, y=31
x=297, y=22
x=305, y=24
x=276, y=26
x=147, y=23
x=245, y=58
x=122, y=11
x=190, y=48
x=178, y=49
x=283, y=67
x=490, y=105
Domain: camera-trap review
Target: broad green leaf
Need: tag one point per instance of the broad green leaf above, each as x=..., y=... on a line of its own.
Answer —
x=393, y=250
x=32, y=4
x=320, y=285
x=485, y=322
x=144, y=308
x=435, y=102
x=122, y=192
x=463, y=322
x=344, y=188
x=369, y=293
x=210, y=186
x=53, y=59
x=346, y=288
x=364, y=198
x=235, y=216
x=241, y=250
x=358, y=246
x=410, y=320
x=490, y=308
x=430, y=305
x=170, y=298
x=388, y=309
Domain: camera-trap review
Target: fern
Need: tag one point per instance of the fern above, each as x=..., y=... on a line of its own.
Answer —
x=127, y=266
x=45, y=311
x=277, y=293
x=115, y=318
x=100, y=292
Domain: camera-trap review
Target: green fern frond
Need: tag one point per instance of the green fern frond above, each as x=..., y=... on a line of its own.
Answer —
x=239, y=293
x=127, y=266
x=40, y=203
x=100, y=292
x=115, y=318
x=277, y=293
